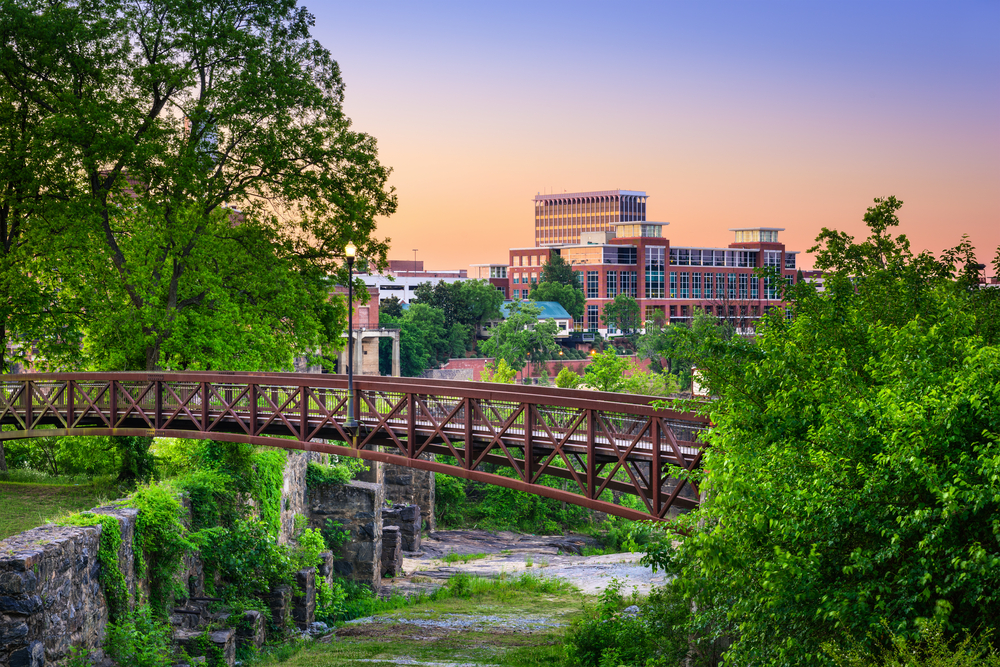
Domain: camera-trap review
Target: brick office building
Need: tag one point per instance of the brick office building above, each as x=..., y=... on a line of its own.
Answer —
x=667, y=282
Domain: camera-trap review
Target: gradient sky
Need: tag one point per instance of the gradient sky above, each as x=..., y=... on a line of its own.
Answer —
x=784, y=114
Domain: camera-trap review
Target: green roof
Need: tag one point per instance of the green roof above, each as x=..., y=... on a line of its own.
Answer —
x=550, y=309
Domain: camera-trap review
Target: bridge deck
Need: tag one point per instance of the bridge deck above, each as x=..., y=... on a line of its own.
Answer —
x=598, y=441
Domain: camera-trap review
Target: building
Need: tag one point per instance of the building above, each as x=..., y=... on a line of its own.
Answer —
x=560, y=219
x=496, y=274
x=669, y=283
x=401, y=278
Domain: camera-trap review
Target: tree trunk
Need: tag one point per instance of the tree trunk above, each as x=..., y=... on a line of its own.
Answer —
x=3, y=459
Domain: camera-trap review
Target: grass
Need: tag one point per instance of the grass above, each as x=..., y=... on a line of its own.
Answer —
x=453, y=557
x=28, y=505
x=409, y=633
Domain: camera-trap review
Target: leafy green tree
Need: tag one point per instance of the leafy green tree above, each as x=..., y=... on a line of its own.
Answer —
x=851, y=482
x=567, y=379
x=498, y=372
x=569, y=297
x=423, y=340
x=558, y=270
x=522, y=336
x=606, y=372
x=155, y=129
x=392, y=307
x=470, y=303
x=622, y=314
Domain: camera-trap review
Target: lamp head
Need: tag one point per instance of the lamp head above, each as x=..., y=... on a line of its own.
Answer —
x=351, y=250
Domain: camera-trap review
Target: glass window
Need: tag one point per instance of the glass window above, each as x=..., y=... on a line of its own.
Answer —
x=517, y=278
x=630, y=283
x=611, y=289
x=790, y=260
x=654, y=272
x=592, y=318
x=731, y=285
x=673, y=256
x=743, y=286
x=683, y=257
x=534, y=278
x=696, y=285
x=627, y=255
x=593, y=284
x=708, y=286
x=754, y=283
x=772, y=258
x=720, y=257
x=673, y=284
x=685, y=287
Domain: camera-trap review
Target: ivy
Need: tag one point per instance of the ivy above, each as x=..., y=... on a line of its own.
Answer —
x=269, y=468
x=341, y=471
x=109, y=546
x=163, y=541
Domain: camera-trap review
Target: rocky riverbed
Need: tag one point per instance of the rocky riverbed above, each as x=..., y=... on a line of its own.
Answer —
x=513, y=553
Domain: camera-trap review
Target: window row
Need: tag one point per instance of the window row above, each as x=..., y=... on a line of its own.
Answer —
x=690, y=257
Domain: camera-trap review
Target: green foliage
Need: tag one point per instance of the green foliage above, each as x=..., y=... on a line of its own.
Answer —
x=622, y=314
x=569, y=297
x=498, y=371
x=340, y=471
x=122, y=166
x=931, y=649
x=139, y=639
x=854, y=463
x=469, y=303
x=567, y=379
x=163, y=541
x=606, y=372
x=306, y=553
x=109, y=546
x=557, y=270
x=137, y=463
x=267, y=482
x=335, y=535
x=521, y=336
x=449, y=500
x=330, y=599
x=452, y=557
x=246, y=555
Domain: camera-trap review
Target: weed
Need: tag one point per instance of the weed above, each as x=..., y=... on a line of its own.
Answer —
x=452, y=557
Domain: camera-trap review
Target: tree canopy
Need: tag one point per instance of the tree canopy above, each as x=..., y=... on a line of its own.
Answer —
x=558, y=270
x=622, y=314
x=852, y=476
x=569, y=297
x=521, y=336
x=200, y=172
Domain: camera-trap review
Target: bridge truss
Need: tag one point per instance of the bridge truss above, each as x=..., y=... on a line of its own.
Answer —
x=597, y=442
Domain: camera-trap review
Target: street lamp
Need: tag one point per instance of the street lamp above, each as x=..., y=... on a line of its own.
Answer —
x=349, y=252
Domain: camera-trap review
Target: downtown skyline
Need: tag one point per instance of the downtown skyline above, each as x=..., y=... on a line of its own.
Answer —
x=791, y=115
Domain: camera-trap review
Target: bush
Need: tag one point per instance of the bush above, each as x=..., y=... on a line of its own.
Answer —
x=340, y=471
x=567, y=379
x=139, y=640
x=449, y=500
x=930, y=650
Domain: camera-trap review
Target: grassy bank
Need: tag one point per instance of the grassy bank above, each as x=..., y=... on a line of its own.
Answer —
x=27, y=505
x=518, y=622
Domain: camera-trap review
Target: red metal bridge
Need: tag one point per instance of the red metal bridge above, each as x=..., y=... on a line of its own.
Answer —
x=597, y=442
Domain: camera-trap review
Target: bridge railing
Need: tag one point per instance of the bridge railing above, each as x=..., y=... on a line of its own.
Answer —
x=597, y=442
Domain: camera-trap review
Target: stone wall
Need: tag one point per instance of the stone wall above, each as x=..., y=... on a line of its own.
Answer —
x=357, y=507
x=411, y=486
x=50, y=592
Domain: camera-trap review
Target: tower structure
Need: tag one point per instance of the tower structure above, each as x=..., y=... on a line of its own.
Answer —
x=560, y=219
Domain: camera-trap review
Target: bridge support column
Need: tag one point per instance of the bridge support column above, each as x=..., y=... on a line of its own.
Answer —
x=411, y=486
x=395, y=354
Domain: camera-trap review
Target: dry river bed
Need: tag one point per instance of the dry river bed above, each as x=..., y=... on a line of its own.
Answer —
x=519, y=631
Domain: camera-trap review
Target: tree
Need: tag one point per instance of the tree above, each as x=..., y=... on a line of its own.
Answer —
x=852, y=471
x=423, y=339
x=522, y=336
x=567, y=379
x=470, y=303
x=606, y=372
x=161, y=121
x=568, y=297
x=498, y=371
x=557, y=270
x=391, y=307
x=622, y=314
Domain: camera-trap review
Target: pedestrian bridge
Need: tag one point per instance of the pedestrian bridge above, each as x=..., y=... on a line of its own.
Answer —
x=600, y=444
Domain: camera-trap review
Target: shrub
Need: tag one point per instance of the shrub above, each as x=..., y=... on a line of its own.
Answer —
x=139, y=640
x=567, y=379
x=449, y=499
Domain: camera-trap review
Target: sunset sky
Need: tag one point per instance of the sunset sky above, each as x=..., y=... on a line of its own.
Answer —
x=783, y=114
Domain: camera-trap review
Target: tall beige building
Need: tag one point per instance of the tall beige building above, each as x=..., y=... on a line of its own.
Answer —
x=560, y=219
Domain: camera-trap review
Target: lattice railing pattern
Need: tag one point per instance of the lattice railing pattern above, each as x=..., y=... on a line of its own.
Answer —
x=599, y=443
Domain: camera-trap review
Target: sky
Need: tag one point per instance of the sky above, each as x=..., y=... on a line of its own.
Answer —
x=727, y=114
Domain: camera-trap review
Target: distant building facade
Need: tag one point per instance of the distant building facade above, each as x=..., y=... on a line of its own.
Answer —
x=496, y=274
x=633, y=257
x=561, y=219
x=401, y=278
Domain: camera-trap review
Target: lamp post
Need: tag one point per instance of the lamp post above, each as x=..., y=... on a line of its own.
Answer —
x=349, y=252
